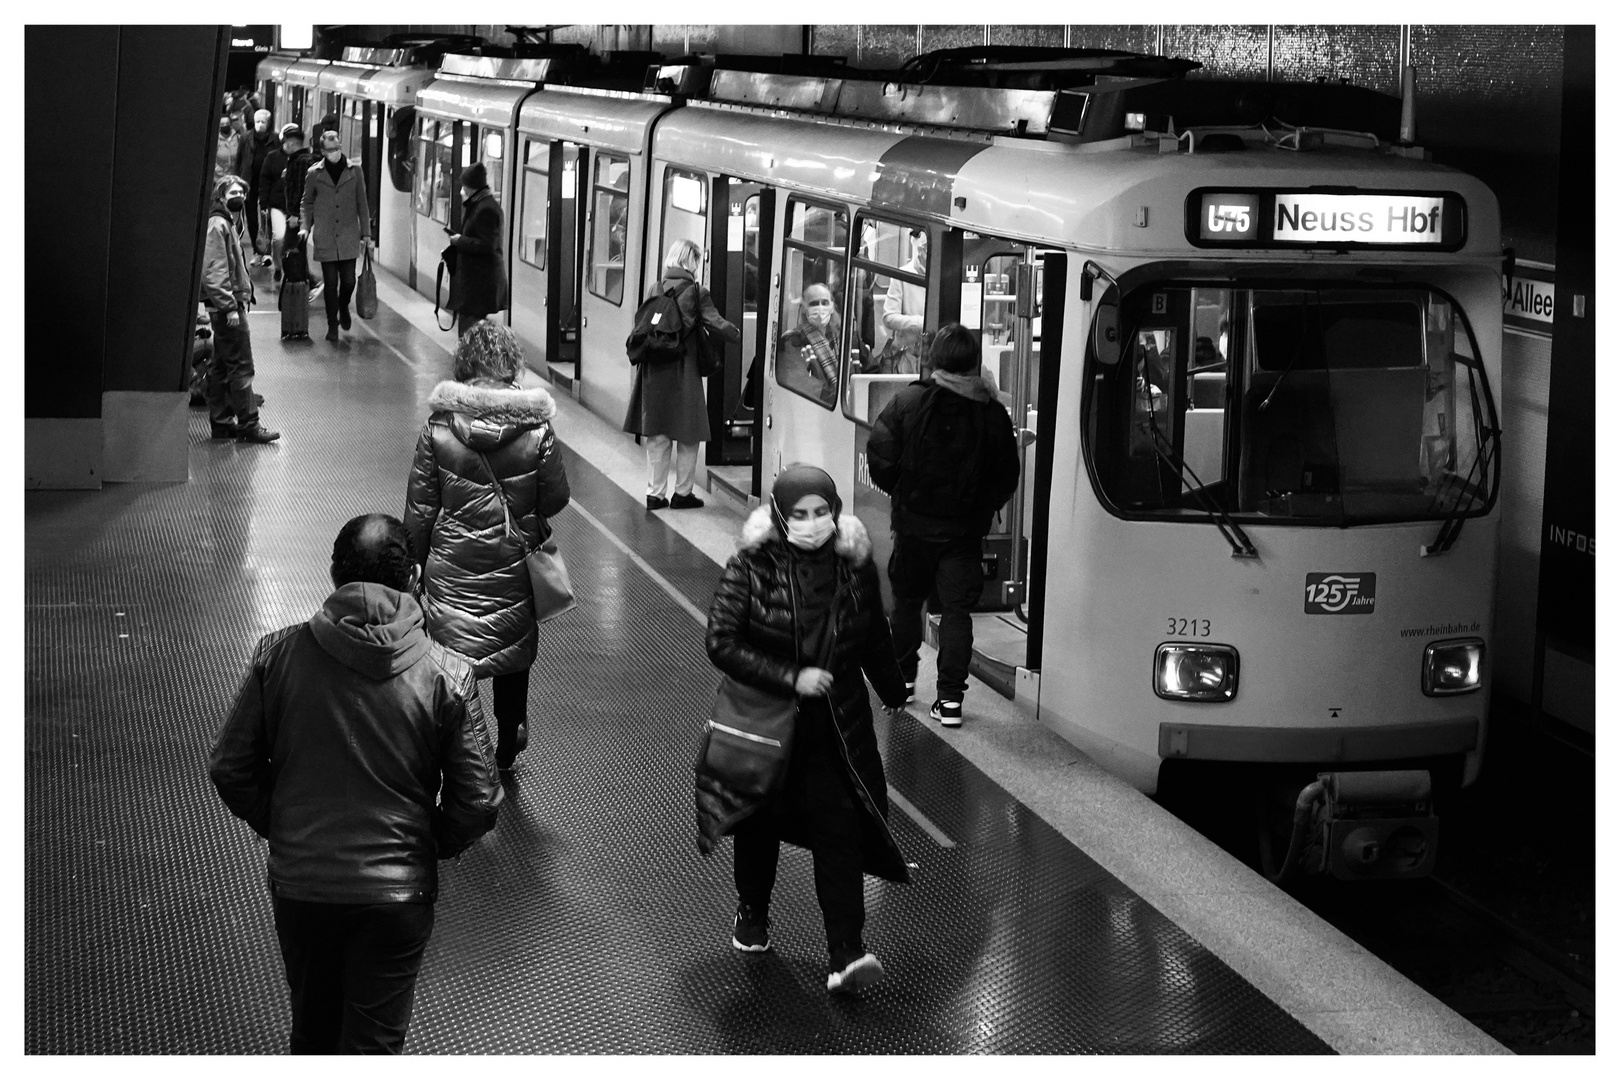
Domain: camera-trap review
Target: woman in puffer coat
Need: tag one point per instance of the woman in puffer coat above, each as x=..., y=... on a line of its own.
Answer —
x=798, y=612
x=475, y=585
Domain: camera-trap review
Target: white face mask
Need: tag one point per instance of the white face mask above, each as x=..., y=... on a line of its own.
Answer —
x=819, y=316
x=810, y=534
x=333, y=156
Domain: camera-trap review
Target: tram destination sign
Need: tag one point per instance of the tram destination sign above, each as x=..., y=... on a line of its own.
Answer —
x=1293, y=219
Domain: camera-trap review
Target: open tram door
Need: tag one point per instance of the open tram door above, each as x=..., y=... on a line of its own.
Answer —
x=1012, y=294
x=740, y=242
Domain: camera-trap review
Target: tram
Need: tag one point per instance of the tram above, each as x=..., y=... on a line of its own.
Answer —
x=1247, y=334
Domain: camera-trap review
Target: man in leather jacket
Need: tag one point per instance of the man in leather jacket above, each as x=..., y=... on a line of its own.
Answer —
x=357, y=748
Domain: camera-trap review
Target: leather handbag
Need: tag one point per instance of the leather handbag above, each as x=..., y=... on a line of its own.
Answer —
x=749, y=738
x=548, y=574
x=365, y=290
x=448, y=259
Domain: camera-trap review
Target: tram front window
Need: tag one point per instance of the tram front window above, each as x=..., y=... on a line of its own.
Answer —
x=1337, y=404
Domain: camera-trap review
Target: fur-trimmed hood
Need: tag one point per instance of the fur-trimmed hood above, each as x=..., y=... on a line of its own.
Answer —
x=485, y=415
x=486, y=401
x=853, y=543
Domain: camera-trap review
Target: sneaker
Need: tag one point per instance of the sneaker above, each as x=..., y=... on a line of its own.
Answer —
x=657, y=502
x=850, y=970
x=948, y=713
x=685, y=502
x=750, y=930
x=343, y=318
x=257, y=433
x=911, y=690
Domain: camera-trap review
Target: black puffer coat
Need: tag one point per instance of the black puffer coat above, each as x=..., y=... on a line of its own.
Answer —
x=752, y=638
x=475, y=587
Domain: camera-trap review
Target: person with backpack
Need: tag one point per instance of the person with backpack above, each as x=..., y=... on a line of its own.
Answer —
x=667, y=406
x=945, y=452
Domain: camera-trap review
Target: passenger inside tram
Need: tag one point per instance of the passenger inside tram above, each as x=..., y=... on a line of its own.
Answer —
x=904, y=307
x=814, y=338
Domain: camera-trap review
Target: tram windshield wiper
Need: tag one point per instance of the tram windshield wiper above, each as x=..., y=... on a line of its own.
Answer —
x=1451, y=525
x=1242, y=547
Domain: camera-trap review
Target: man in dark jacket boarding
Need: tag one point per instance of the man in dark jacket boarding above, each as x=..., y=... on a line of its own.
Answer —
x=356, y=747
x=945, y=452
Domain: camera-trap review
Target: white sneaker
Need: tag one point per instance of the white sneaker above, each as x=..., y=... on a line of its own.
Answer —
x=864, y=970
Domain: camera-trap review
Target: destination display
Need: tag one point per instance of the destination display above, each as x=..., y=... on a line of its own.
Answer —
x=1325, y=219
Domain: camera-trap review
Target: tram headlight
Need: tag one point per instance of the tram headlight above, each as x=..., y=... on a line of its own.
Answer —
x=1195, y=672
x=1456, y=666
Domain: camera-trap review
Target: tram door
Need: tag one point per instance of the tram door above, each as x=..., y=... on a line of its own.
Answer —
x=1003, y=298
x=565, y=245
x=740, y=243
x=370, y=145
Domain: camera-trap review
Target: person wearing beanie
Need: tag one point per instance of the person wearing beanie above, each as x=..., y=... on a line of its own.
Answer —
x=944, y=451
x=798, y=614
x=478, y=287
x=260, y=143
x=334, y=209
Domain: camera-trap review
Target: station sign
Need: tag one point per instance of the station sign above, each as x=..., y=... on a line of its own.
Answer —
x=1294, y=219
x=1528, y=298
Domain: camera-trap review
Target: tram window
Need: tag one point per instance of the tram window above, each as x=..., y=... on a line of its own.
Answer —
x=1335, y=404
x=686, y=212
x=532, y=222
x=494, y=158
x=443, y=147
x=891, y=288
x=426, y=134
x=610, y=212
x=813, y=271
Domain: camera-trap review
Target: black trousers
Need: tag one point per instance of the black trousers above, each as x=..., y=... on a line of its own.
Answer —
x=951, y=570
x=339, y=278
x=817, y=806
x=509, y=696
x=352, y=972
x=229, y=386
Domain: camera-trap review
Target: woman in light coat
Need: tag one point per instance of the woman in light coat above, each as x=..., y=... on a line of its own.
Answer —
x=667, y=406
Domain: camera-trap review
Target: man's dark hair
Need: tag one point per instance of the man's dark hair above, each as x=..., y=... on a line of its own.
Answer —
x=955, y=349
x=373, y=547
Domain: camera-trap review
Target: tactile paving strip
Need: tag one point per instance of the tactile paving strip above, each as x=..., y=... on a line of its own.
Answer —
x=586, y=922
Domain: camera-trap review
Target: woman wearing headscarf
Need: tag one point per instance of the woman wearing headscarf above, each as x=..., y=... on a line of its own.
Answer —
x=798, y=613
x=472, y=539
x=667, y=406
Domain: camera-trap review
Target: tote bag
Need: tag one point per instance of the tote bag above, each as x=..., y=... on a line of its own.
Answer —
x=365, y=290
x=548, y=575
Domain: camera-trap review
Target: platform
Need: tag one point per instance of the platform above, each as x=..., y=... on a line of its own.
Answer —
x=1054, y=910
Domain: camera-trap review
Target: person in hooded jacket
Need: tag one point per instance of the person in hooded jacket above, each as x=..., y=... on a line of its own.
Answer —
x=355, y=746
x=472, y=538
x=227, y=293
x=798, y=612
x=938, y=527
x=478, y=287
x=667, y=406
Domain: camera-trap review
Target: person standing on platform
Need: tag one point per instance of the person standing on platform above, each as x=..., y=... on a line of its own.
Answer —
x=231, y=154
x=335, y=209
x=227, y=291
x=478, y=287
x=260, y=143
x=357, y=748
x=944, y=451
x=667, y=406
x=799, y=613
x=487, y=475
